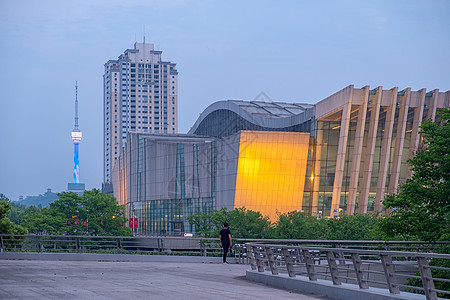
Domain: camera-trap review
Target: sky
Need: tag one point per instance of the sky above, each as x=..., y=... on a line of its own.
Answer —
x=293, y=51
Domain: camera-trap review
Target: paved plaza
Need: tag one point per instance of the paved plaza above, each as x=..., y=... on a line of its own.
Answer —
x=38, y=279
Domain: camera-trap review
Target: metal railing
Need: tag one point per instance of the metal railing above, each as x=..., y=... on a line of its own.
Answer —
x=394, y=270
x=109, y=244
x=187, y=245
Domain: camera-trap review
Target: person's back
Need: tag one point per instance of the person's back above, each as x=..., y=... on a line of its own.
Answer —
x=225, y=240
x=224, y=236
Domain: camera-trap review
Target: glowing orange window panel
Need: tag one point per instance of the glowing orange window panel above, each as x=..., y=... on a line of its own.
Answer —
x=271, y=171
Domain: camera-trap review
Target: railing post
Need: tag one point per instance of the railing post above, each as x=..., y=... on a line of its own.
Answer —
x=427, y=278
x=333, y=268
x=259, y=261
x=160, y=244
x=2, y=245
x=39, y=244
x=340, y=254
x=251, y=256
x=386, y=261
x=360, y=275
x=271, y=260
x=289, y=262
x=309, y=265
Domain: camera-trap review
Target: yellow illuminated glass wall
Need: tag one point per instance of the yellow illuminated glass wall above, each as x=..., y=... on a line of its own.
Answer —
x=271, y=171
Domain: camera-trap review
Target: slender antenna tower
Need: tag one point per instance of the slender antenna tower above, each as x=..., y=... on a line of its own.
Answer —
x=76, y=106
x=76, y=138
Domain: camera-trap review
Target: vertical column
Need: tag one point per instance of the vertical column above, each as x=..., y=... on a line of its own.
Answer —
x=386, y=149
x=415, y=136
x=368, y=156
x=447, y=99
x=357, y=150
x=432, y=106
x=399, y=141
x=340, y=161
x=317, y=161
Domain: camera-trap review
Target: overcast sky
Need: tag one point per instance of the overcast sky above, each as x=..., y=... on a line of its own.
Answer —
x=293, y=51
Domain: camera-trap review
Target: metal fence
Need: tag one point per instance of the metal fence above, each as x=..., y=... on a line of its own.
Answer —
x=187, y=245
x=109, y=244
x=395, y=265
x=396, y=271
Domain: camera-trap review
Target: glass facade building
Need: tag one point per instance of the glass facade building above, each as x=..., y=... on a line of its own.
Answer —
x=340, y=156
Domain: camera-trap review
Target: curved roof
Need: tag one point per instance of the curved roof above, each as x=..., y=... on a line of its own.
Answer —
x=261, y=113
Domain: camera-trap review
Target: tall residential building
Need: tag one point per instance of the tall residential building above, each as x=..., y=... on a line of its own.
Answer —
x=140, y=95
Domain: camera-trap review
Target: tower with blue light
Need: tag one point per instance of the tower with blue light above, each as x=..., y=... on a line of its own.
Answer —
x=76, y=135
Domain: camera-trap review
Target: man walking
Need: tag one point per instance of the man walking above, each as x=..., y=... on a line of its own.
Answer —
x=225, y=241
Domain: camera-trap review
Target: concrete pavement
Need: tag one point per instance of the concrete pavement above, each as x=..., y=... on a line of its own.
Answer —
x=38, y=279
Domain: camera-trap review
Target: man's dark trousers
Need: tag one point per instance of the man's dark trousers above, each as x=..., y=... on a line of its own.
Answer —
x=225, y=251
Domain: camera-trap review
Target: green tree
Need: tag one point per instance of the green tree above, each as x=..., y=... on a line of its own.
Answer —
x=94, y=213
x=354, y=227
x=249, y=224
x=18, y=212
x=6, y=226
x=298, y=225
x=208, y=224
x=243, y=223
x=421, y=209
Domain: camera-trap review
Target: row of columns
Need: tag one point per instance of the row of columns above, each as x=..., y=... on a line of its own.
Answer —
x=372, y=101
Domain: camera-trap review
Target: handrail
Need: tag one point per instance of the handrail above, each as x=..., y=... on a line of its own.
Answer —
x=379, y=268
x=360, y=251
x=303, y=241
x=188, y=245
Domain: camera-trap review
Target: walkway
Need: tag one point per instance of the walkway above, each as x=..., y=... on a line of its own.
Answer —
x=37, y=279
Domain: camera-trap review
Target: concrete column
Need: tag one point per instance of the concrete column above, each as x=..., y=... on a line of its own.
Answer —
x=342, y=147
x=399, y=141
x=431, y=115
x=447, y=99
x=415, y=136
x=357, y=150
x=368, y=155
x=316, y=171
x=386, y=149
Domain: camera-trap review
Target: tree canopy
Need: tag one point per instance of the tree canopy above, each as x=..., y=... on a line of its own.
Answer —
x=93, y=213
x=243, y=223
x=421, y=209
x=292, y=225
x=6, y=226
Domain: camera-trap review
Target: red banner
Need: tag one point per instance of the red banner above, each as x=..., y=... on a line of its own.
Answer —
x=134, y=223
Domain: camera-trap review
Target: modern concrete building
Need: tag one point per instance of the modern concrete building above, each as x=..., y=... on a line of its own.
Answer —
x=140, y=95
x=340, y=156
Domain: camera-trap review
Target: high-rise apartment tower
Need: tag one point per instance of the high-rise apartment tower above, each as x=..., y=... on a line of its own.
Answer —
x=140, y=95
